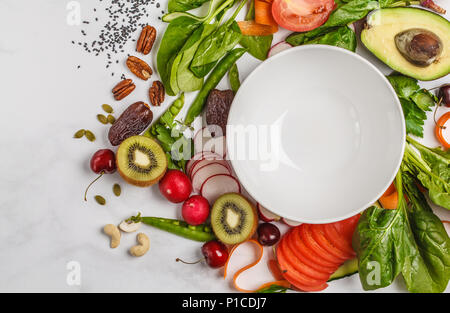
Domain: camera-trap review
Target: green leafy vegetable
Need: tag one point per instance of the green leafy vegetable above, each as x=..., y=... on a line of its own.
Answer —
x=342, y=37
x=184, y=5
x=273, y=289
x=257, y=46
x=214, y=8
x=233, y=76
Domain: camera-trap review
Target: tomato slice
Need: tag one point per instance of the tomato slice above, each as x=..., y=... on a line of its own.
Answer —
x=292, y=275
x=299, y=252
x=300, y=266
x=319, y=237
x=301, y=15
x=306, y=236
x=300, y=245
x=337, y=240
x=347, y=227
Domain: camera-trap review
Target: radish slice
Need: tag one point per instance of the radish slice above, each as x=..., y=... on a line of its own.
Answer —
x=217, y=145
x=206, y=172
x=203, y=163
x=217, y=185
x=281, y=46
x=207, y=155
x=290, y=223
x=204, y=135
x=266, y=215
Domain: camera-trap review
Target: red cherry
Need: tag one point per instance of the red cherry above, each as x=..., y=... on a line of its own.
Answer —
x=216, y=253
x=268, y=234
x=175, y=186
x=102, y=162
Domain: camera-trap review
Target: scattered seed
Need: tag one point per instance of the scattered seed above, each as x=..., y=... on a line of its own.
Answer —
x=89, y=135
x=117, y=190
x=79, y=134
x=111, y=119
x=100, y=200
x=102, y=119
x=107, y=108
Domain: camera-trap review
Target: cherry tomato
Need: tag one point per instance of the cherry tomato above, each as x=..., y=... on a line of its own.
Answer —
x=301, y=15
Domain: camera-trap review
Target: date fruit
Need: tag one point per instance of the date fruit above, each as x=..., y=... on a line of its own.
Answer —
x=146, y=40
x=133, y=121
x=139, y=67
x=157, y=93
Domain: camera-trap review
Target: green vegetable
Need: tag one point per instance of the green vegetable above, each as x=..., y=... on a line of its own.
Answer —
x=273, y=289
x=213, y=5
x=410, y=240
x=184, y=5
x=414, y=101
x=432, y=169
x=213, y=79
x=342, y=37
x=233, y=76
x=198, y=233
x=349, y=268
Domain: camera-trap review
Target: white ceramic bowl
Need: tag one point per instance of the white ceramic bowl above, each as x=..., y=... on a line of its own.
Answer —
x=316, y=134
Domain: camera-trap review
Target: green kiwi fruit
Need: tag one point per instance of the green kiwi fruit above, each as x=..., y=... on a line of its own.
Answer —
x=141, y=161
x=233, y=218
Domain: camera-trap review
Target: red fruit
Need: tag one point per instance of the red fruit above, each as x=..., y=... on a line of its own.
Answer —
x=175, y=186
x=268, y=234
x=216, y=253
x=102, y=162
x=195, y=210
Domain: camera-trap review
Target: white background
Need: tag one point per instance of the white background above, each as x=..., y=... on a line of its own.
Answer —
x=44, y=222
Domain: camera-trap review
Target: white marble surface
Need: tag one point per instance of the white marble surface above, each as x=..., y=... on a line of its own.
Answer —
x=44, y=223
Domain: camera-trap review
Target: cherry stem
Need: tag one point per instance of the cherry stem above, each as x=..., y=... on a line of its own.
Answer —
x=190, y=263
x=434, y=115
x=85, y=193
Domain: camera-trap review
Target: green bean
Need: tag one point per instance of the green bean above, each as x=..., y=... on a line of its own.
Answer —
x=198, y=233
x=212, y=81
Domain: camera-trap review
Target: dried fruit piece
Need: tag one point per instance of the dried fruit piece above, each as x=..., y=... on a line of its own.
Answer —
x=217, y=108
x=123, y=89
x=157, y=93
x=79, y=134
x=146, y=40
x=111, y=119
x=100, y=200
x=117, y=190
x=102, y=119
x=107, y=108
x=133, y=121
x=89, y=135
x=139, y=67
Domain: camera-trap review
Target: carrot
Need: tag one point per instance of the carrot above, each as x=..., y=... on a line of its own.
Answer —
x=283, y=283
x=389, y=199
x=263, y=13
x=251, y=28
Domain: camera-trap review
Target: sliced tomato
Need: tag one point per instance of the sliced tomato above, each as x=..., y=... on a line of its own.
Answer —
x=337, y=240
x=300, y=245
x=306, y=236
x=347, y=227
x=275, y=269
x=300, y=266
x=301, y=15
x=301, y=255
x=292, y=275
x=319, y=237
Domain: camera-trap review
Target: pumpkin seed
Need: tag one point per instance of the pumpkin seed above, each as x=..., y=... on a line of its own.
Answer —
x=100, y=200
x=111, y=119
x=79, y=134
x=89, y=135
x=117, y=190
x=102, y=119
x=107, y=108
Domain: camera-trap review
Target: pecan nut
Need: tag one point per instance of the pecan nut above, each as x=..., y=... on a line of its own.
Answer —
x=139, y=67
x=146, y=40
x=123, y=89
x=157, y=93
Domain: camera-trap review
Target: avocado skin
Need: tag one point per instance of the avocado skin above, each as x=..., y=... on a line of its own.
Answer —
x=384, y=24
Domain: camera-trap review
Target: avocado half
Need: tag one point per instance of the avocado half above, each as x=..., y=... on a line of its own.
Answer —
x=384, y=24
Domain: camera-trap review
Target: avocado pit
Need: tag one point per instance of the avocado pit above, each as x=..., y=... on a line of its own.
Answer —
x=419, y=46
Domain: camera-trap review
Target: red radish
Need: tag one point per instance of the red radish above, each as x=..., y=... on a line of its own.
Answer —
x=203, y=163
x=277, y=48
x=201, y=156
x=290, y=223
x=175, y=186
x=195, y=210
x=217, y=145
x=206, y=172
x=217, y=185
x=266, y=215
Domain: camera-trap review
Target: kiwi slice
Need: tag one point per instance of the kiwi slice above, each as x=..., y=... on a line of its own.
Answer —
x=141, y=161
x=233, y=218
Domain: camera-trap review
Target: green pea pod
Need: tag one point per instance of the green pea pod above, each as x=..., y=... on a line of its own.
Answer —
x=198, y=233
x=213, y=80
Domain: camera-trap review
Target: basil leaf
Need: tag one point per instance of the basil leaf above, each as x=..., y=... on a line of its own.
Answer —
x=184, y=5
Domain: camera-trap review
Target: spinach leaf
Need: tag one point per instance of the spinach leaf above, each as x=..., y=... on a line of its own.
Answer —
x=184, y=5
x=215, y=6
x=175, y=36
x=342, y=37
x=233, y=76
x=410, y=240
x=214, y=47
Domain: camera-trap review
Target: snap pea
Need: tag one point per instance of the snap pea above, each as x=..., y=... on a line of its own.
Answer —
x=168, y=117
x=198, y=233
x=214, y=78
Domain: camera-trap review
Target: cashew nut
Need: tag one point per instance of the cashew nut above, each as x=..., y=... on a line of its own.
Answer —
x=129, y=227
x=113, y=232
x=142, y=247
